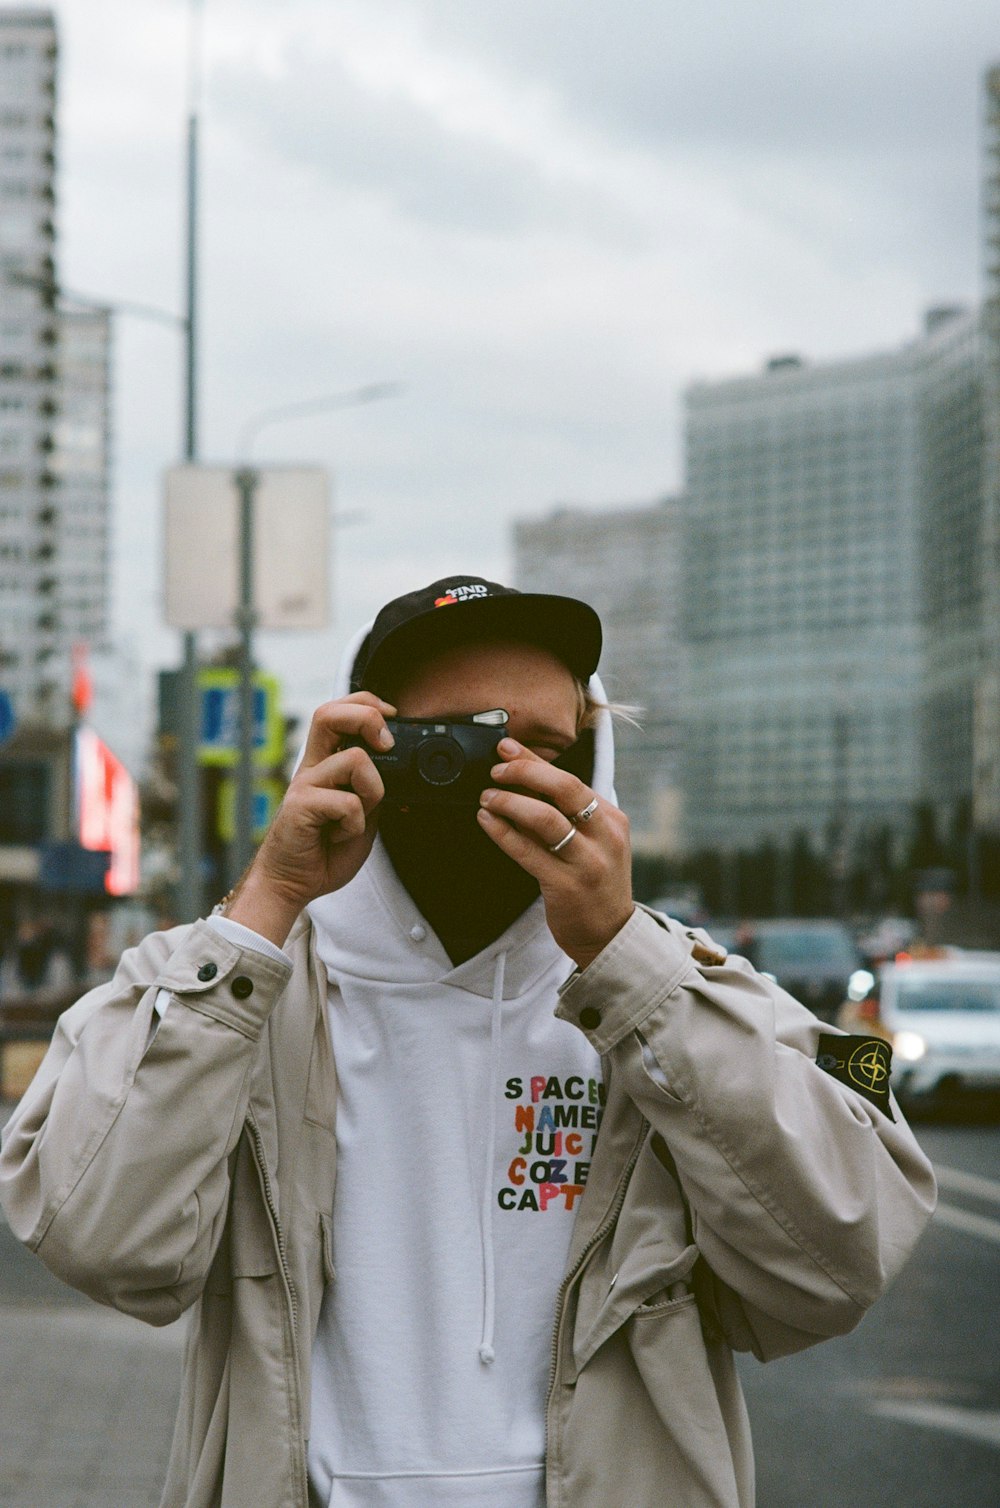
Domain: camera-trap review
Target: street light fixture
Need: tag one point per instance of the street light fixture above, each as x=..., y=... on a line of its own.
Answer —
x=372, y=392
x=56, y=290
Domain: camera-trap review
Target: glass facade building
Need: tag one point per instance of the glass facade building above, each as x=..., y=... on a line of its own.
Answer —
x=954, y=595
x=831, y=515
x=625, y=562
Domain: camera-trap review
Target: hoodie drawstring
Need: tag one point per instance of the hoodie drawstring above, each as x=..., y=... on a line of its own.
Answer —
x=486, y=1352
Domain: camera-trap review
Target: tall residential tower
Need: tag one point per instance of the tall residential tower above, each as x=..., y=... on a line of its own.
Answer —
x=54, y=402
x=29, y=337
x=986, y=793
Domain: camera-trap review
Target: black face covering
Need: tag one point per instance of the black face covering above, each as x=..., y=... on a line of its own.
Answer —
x=466, y=887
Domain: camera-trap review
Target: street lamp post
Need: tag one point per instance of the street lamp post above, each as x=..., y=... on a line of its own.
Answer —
x=246, y=616
x=188, y=894
x=247, y=478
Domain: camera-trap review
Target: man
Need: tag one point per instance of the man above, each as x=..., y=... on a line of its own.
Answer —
x=473, y=1172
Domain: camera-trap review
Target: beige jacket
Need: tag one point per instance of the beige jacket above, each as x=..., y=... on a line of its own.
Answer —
x=739, y=1196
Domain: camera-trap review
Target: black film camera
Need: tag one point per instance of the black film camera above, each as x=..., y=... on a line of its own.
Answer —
x=439, y=762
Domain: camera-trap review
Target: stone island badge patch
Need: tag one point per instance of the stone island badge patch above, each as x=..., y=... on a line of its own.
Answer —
x=862, y=1062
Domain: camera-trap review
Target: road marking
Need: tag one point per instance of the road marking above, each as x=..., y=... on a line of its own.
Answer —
x=964, y=1220
x=974, y=1424
x=961, y=1182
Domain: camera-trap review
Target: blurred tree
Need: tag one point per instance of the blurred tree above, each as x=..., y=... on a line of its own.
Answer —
x=810, y=880
x=926, y=850
x=653, y=875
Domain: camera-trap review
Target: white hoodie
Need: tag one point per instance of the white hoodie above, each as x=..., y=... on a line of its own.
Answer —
x=466, y=1120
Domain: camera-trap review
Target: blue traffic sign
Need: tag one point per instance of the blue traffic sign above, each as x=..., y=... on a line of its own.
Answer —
x=8, y=720
x=219, y=734
x=220, y=717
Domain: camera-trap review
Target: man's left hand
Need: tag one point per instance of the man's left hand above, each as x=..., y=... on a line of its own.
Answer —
x=587, y=884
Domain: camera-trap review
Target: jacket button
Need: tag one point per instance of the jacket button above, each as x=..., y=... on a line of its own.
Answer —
x=208, y=971
x=242, y=986
x=590, y=1017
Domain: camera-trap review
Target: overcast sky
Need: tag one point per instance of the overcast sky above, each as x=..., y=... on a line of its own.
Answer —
x=544, y=217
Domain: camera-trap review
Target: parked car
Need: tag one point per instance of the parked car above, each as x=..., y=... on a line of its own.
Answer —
x=683, y=905
x=813, y=960
x=942, y=1017
x=887, y=937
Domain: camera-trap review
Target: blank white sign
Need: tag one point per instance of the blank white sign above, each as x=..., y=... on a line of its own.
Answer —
x=291, y=537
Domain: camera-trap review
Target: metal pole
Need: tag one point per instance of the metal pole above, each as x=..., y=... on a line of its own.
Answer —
x=243, y=846
x=839, y=848
x=188, y=903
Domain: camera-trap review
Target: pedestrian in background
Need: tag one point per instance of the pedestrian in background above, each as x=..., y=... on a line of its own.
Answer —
x=36, y=962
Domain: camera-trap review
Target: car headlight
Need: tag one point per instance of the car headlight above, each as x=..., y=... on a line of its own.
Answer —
x=910, y=1046
x=860, y=982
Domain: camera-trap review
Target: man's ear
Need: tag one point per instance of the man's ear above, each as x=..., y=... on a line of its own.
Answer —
x=578, y=759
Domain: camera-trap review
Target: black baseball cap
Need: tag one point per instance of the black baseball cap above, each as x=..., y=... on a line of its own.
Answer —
x=464, y=609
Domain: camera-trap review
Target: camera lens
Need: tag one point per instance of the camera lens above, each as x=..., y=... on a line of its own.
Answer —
x=439, y=760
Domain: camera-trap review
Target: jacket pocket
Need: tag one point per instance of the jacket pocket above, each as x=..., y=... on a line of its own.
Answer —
x=653, y=1289
x=665, y=1302
x=326, y=1248
x=248, y=1246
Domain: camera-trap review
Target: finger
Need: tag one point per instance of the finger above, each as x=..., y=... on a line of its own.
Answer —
x=540, y=777
x=362, y=714
x=537, y=819
x=341, y=812
x=348, y=769
x=347, y=817
x=518, y=846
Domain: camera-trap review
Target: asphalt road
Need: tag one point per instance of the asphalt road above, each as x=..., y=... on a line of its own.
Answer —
x=904, y=1413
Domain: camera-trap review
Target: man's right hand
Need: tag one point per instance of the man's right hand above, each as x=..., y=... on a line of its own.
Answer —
x=324, y=828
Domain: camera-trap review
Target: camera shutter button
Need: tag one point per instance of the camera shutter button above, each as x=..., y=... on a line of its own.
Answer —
x=418, y=932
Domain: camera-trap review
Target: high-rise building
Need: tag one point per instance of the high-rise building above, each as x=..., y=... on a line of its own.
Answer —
x=82, y=463
x=954, y=590
x=29, y=335
x=625, y=562
x=832, y=606
x=54, y=402
x=986, y=786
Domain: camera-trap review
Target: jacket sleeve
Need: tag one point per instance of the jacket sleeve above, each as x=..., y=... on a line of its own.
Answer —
x=115, y=1166
x=805, y=1198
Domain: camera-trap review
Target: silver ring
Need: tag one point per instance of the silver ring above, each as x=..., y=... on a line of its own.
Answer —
x=555, y=847
x=587, y=812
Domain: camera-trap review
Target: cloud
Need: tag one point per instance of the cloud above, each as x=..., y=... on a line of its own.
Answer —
x=352, y=123
x=778, y=75
x=876, y=107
